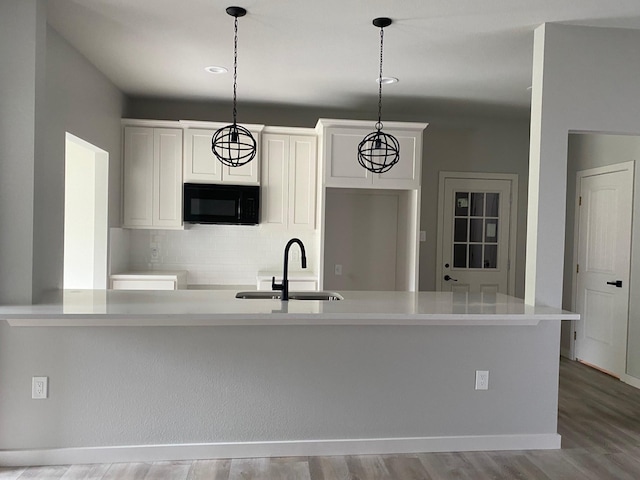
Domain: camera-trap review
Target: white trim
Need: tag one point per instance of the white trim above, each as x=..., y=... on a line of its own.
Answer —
x=253, y=127
x=336, y=122
x=590, y=172
x=574, y=274
x=513, y=220
x=291, y=130
x=136, y=122
x=154, y=453
x=629, y=380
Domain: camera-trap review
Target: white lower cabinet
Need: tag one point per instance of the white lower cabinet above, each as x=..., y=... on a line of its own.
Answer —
x=340, y=140
x=289, y=180
x=158, y=280
x=152, y=177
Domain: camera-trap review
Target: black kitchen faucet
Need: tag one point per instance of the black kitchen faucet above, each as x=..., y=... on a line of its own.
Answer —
x=284, y=286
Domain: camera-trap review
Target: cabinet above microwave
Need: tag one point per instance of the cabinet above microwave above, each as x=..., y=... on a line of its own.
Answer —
x=201, y=166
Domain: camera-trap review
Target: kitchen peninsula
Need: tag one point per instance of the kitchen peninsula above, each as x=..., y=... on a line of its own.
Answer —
x=201, y=374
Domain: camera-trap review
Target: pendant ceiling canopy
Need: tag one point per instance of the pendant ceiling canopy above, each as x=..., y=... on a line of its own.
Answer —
x=233, y=144
x=379, y=151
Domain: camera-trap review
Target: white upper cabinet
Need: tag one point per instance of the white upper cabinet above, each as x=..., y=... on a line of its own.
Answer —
x=288, y=190
x=138, y=177
x=152, y=183
x=340, y=140
x=201, y=165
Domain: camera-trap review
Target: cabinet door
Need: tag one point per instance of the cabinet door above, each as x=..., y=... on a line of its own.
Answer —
x=143, y=284
x=302, y=181
x=138, y=177
x=200, y=164
x=404, y=175
x=249, y=173
x=167, y=177
x=274, y=190
x=245, y=174
x=341, y=158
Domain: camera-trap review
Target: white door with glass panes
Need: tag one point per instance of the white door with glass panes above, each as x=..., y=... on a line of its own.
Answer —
x=475, y=235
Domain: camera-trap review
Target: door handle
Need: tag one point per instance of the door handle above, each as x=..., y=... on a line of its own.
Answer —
x=448, y=278
x=617, y=283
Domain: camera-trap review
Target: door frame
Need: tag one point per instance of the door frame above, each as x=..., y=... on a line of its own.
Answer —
x=513, y=178
x=590, y=172
x=98, y=266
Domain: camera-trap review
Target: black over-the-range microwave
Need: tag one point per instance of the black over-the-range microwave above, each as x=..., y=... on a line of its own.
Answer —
x=225, y=204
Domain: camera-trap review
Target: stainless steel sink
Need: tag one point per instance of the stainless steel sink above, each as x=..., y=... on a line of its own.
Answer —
x=276, y=295
x=311, y=295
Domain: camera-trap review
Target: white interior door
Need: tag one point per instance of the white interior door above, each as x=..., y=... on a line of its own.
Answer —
x=475, y=235
x=603, y=263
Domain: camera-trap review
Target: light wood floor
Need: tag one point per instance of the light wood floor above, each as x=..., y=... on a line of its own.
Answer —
x=599, y=420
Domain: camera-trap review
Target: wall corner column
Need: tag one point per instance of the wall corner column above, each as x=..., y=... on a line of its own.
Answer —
x=547, y=184
x=22, y=106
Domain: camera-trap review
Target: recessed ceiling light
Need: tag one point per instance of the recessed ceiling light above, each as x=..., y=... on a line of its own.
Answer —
x=216, y=69
x=387, y=80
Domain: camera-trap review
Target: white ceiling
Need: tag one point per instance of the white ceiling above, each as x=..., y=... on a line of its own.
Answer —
x=325, y=53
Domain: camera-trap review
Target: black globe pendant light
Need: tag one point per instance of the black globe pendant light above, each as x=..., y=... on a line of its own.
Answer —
x=234, y=145
x=379, y=151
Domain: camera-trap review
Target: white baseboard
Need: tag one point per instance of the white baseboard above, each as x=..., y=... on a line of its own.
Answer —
x=628, y=379
x=155, y=453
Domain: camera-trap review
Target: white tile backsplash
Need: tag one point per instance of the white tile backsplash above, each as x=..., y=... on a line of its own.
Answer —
x=219, y=254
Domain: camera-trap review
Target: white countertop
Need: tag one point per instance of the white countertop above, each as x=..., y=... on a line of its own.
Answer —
x=220, y=307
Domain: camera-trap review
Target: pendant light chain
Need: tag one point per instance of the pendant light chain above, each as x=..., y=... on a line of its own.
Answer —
x=378, y=151
x=235, y=69
x=379, y=124
x=234, y=145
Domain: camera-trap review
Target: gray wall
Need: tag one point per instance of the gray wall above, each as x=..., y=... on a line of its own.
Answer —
x=166, y=385
x=487, y=146
x=48, y=89
x=451, y=143
x=588, y=83
x=81, y=101
x=590, y=151
x=22, y=30
x=585, y=80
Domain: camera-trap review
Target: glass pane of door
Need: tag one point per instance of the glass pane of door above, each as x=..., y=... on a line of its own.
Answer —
x=475, y=230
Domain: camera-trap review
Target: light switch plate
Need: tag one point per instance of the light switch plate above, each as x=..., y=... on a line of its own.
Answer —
x=423, y=236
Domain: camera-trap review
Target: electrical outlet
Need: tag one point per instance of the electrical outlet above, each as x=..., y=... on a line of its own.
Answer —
x=295, y=255
x=155, y=253
x=482, y=380
x=338, y=269
x=423, y=236
x=39, y=387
